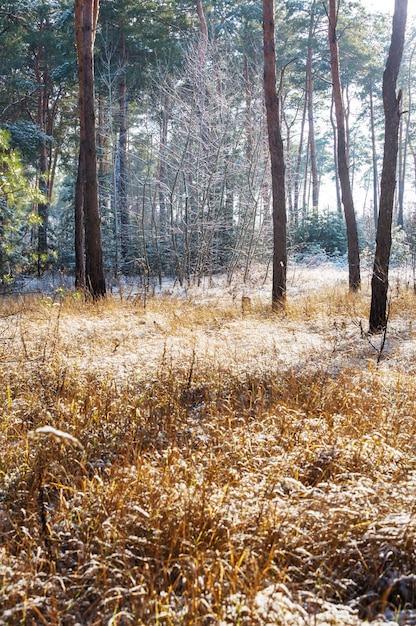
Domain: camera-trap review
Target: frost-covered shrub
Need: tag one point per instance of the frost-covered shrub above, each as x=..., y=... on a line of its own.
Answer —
x=326, y=233
x=401, y=248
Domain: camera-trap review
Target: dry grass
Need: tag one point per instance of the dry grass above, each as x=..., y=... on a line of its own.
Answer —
x=207, y=465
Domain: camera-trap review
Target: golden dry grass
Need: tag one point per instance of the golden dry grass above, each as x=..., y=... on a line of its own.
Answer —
x=208, y=465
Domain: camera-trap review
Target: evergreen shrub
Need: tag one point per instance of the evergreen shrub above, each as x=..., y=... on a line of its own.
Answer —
x=319, y=233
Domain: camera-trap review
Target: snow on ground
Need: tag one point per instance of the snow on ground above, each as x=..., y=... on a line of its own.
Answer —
x=145, y=339
x=275, y=605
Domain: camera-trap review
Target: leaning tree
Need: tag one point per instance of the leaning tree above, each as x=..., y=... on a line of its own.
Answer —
x=342, y=158
x=392, y=114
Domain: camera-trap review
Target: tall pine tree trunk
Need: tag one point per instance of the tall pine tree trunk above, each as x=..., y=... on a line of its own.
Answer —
x=342, y=159
x=406, y=142
x=392, y=112
x=374, y=157
x=335, y=146
x=43, y=211
x=86, y=17
x=41, y=73
x=161, y=184
x=299, y=162
x=79, y=225
x=203, y=47
x=276, y=157
x=401, y=171
x=122, y=158
x=289, y=176
x=249, y=122
x=311, y=120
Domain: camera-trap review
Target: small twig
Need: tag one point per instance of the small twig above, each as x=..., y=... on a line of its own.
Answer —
x=191, y=369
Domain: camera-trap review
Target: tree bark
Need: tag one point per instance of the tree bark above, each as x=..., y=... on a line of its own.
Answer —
x=79, y=225
x=311, y=120
x=287, y=128
x=297, y=177
x=86, y=17
x=392, y=112
x=43, y=211
x=335, y=144
x=161, y=184
x=204, y=31
x=276, y=157
x=374, y=158
x=41, y=73
x=401, y=171
x=406, y=142
x=343, y=170
x=249, y=123
x=122, y=160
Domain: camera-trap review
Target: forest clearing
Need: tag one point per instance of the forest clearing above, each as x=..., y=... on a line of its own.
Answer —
x=186, y=460
x=198, y=431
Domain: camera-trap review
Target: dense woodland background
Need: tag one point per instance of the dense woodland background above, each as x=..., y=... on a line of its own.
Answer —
x=183, y=161
x=191, y=459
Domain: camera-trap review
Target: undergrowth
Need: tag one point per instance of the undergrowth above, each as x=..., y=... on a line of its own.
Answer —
x=195, y=491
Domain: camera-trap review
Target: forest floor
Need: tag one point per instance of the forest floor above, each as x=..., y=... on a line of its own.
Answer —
x=190, y=458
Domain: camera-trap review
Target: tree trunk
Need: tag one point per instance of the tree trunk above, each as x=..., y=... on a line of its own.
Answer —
x=203, y=46
x=287, y=128
x=122, y=160
x=406, y=143
x=401, y=171
x=266, y=183
x=86, y=17
x=43, y=211
x=311, y=121
x=297, y=180
x=42, y=119
x=79, y=225
x=161, y=184
x=392, y=112
x=249, y=123
x=335, y=146
x=347, y=109
x=102, y=139
x=374, y=158
x=305, y=197
x=347, y=199
x=276, y=157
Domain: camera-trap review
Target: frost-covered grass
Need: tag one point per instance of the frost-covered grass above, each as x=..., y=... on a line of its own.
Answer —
x=196, y=461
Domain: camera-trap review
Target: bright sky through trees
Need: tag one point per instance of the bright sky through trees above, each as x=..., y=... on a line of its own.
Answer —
x=387, y=6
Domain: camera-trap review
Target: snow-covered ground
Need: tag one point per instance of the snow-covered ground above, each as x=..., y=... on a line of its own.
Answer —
x=144, y=334
x=207, y=328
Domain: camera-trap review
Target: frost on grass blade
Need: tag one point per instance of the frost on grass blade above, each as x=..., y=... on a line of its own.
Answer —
x=57, y=435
